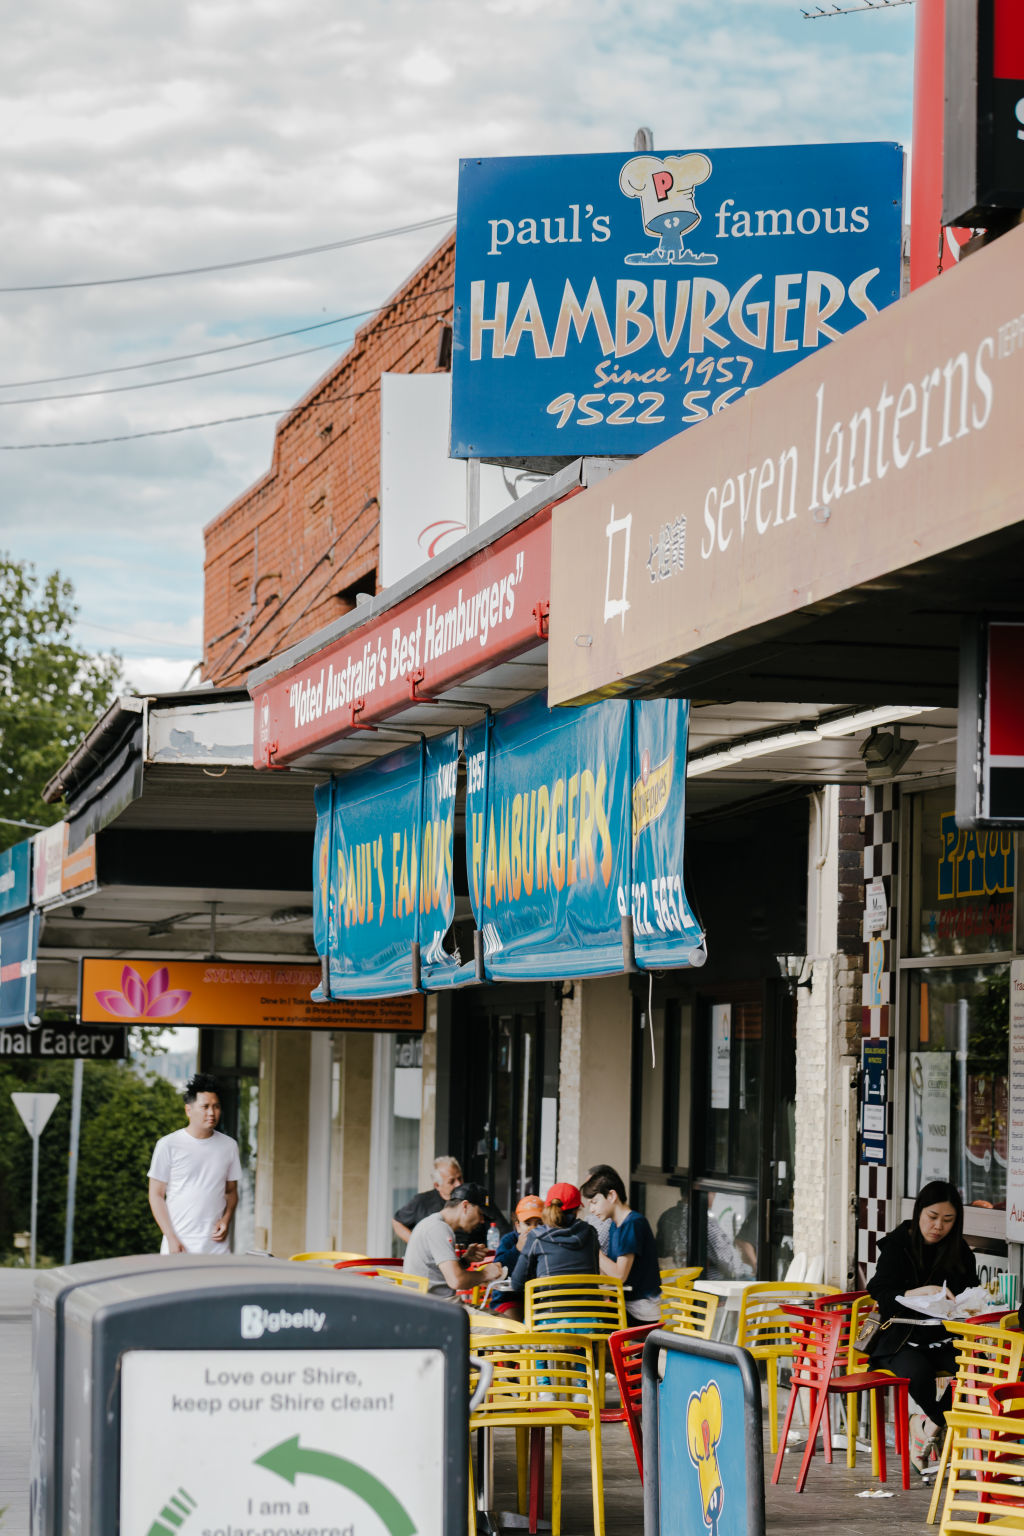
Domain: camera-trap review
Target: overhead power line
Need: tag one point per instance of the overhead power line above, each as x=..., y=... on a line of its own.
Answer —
x=226, y=266
x=231, y=346
x=823, y=12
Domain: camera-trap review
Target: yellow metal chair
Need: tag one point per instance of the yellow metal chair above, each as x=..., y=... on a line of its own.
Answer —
x=326, y=1259
x=687, y=1311
x=681, y=1276
x=483, y=1324
x=987, y=1356
x=593, y=1305
x=542, y=1380
x=985, y=1455
x=764, y=1330
x=393, y=1277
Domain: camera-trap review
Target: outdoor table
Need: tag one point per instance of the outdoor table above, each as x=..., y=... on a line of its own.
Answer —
x=730, y=1294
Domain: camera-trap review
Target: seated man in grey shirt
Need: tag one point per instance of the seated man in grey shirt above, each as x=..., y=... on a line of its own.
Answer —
x=431, y=1250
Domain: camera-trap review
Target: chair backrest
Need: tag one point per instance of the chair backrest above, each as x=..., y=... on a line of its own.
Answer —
x=626, y=1348
x=814, y=1274
x=986, y=1464
x=841, y=1304
x=681, y=1276
x=361, y=1261
x=590, y=1303
x=1008, y=1399
x=815, y=1339
x=763, y=1327
x=864, y=1307
x=327, y=1257
x=797, y=1267
x=398, y=1277
x=486, y=1323
x=539, y=1377
x=684, y=1310
x=986, y=1357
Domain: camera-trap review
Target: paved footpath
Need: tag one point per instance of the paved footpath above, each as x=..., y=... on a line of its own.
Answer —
x=828, y=1507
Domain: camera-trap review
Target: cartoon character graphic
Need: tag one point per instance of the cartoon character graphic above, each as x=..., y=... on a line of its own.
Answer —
x=703, y=1432
x=666, y=192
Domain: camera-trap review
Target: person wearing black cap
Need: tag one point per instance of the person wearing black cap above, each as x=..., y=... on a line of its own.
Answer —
x=431, y=1251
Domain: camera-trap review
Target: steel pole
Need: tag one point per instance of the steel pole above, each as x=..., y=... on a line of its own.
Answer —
x=76, y=1125
x=35, y=1188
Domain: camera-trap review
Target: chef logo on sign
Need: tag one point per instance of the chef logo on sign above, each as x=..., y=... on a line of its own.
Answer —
x=666, y=192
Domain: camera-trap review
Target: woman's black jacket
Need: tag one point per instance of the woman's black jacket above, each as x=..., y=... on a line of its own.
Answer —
x=898, y=1271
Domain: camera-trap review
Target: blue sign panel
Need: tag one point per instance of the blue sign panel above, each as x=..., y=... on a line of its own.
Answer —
x=604, y=303
x=18, y=940
x=874, y=1100
x=440, y=966
x=703, y=1473
x=546, y=828
x=663, y=925
x=15, y=878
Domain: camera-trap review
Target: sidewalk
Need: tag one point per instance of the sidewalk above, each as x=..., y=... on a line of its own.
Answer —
x=828, y=1506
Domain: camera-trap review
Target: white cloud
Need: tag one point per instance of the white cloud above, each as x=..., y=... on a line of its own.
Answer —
x=156, y=674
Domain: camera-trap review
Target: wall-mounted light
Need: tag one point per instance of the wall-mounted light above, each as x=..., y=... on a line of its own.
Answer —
x=791, y=969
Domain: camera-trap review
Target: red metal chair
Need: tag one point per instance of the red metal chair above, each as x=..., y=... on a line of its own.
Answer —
x=370, y=1266
x=627, y=1351
x=816, y=1342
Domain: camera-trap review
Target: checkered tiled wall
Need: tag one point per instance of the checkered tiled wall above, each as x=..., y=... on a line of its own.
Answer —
x=875, y=1213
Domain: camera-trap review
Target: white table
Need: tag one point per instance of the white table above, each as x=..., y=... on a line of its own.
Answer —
x=730, y=1295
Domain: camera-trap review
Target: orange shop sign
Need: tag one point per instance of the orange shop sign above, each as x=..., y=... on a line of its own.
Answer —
x=256, y=995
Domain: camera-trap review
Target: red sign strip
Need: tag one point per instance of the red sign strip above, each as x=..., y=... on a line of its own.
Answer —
x=490, y=608
x=1008, y=41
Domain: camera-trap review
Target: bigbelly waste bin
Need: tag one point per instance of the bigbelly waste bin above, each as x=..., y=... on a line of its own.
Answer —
x=262, y=1402
x=53, y=1287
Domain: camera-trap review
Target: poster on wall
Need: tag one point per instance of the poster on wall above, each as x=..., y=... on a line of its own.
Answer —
x=604, y=303
x=663, y=922
x=721, y=1052
x=928, y=1144
x=1015, y=1135
x=874, y=1101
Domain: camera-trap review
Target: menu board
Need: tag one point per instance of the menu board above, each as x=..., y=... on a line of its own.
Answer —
x=1015, y=1139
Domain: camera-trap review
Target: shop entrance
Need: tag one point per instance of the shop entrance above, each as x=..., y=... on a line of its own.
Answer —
x=504, y=1084
x=714, y=1111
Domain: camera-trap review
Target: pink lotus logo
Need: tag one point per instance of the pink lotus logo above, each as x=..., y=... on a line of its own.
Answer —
x=138, y=999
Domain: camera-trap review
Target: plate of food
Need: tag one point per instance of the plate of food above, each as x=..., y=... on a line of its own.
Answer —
x=943, y=1305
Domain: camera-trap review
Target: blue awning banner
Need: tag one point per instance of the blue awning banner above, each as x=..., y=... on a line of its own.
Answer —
x=19, y=937
x=665, y=931
x=15, y=878
x=547, y=807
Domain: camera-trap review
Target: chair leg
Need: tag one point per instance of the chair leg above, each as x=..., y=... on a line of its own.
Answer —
x=827, y=1425
x=940, y=1474
x=816, y=1416
x=597, y=1476
x=880, y=1421
x=794, y=1393
x=771, y=1377
x=901, y=1427
x=536, y=1479
x=522, y=1458
x=471, y=1524
x=556, y=1481
x=873, y=1418
x=852, y=1423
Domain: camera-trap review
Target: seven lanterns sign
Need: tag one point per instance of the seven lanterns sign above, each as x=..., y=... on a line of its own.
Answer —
x=603, y=303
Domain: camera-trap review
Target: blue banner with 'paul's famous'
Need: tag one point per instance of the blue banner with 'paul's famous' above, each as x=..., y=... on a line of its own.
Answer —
x=383, y=893
x=575, y=822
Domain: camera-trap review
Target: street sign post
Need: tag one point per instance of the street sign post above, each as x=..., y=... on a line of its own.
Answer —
x=35, y=1110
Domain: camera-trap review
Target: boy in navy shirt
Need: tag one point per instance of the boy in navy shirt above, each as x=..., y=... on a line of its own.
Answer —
x=632, y=1255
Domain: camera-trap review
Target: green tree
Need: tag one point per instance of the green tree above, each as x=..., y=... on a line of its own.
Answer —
x=51, y=691
x=123, y=1114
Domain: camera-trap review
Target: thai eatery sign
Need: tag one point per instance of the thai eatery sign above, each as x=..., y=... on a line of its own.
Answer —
x=603, y=303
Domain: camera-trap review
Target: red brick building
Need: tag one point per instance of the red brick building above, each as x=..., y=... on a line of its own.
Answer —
x=295, y=550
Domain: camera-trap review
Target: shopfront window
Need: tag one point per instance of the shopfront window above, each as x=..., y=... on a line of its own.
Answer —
x=957, y=1087
x=961, y=913
x=405, y=1123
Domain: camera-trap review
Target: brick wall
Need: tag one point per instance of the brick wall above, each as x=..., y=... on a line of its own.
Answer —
x=287, y=557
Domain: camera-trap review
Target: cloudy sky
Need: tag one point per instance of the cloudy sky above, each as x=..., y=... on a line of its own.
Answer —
x=141, y=139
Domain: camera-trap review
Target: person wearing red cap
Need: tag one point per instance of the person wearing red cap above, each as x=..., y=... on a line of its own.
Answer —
x=564, y=1245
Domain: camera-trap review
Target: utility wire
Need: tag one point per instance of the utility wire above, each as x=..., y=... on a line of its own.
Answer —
x=233, y=346
x=210, y=373
x=226, y=266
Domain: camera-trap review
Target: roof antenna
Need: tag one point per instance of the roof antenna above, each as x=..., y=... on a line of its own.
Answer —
x=643, y=140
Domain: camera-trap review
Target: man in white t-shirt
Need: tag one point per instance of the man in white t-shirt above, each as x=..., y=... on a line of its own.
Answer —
x=193, y=1177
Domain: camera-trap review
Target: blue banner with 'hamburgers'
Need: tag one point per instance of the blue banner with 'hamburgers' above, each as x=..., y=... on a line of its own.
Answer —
x=574, y=835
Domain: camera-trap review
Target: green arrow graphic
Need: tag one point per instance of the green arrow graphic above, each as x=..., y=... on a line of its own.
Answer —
x=289, y=1459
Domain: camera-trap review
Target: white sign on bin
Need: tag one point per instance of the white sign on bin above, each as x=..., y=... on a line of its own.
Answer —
x=349, y=1441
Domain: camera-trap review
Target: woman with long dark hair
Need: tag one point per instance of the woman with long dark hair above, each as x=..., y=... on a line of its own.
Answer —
x=915, y=1260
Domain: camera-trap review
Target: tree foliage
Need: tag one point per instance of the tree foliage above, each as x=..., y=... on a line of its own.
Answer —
x=123, y=1114
x=51, y=691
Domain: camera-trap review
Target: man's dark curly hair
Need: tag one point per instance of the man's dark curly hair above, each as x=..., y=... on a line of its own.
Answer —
x=200, y=1082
